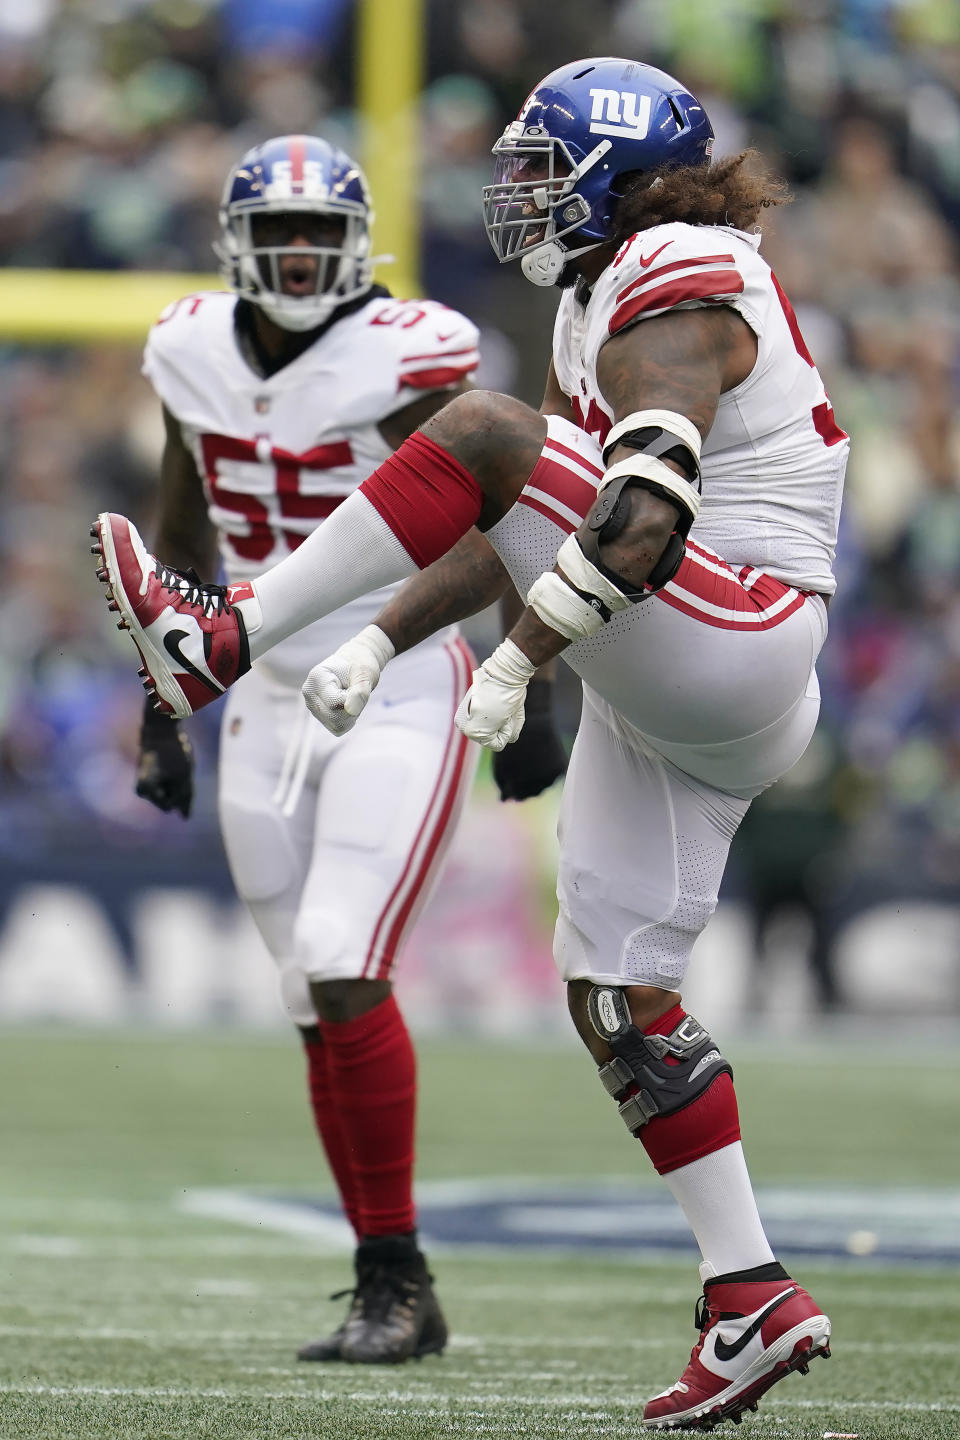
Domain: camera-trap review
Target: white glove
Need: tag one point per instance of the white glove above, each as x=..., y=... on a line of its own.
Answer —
x=337, y=689
x=491, y=712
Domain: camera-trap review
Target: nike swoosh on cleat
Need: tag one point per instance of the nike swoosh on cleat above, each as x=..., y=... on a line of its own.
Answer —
x=171, y=643
x=646, y=260
x=730, y=1352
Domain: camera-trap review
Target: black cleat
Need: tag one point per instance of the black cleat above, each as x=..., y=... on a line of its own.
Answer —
x=395, y=1315
x=326, y=1349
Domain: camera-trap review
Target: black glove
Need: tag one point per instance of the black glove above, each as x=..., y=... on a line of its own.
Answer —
x=537, y=756
x=165, y=768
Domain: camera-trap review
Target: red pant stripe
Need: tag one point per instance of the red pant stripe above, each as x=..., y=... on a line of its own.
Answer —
x=709, y=590
x=548, y=509
x=433, y=837
x=554, y=480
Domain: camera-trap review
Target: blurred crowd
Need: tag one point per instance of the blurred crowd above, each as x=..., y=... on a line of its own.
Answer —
x=118, y=122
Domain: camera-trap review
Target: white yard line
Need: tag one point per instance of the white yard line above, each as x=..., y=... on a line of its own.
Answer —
x=587, y=1403
x=475, y=1344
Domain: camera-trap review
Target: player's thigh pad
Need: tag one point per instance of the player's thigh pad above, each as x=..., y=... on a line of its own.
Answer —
x=268, y=852
x=391, y=795
x=721, y=685
x=642, y=852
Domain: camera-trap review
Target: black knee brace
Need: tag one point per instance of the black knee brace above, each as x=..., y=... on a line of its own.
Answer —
x=605, y=522
x=642, y=1063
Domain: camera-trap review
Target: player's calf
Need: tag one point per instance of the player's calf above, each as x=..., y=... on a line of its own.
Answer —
x=651, y=1075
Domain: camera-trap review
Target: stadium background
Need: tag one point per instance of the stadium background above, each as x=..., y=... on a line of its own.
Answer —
x=118, y=121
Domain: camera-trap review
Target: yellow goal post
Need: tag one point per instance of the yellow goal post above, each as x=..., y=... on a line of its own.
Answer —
x=48, y=307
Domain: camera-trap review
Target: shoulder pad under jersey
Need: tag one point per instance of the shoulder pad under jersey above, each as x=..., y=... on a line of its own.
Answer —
x=430, y=346
x=669, y=267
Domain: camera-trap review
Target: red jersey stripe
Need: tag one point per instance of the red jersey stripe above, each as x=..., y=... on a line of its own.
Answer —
x=705, y=575
x=793, y=324
x=308, y=507
x=762, y=621
x=435, y=379
x=716, y=286
x=702, y=552
x=670, y=269
x=439, y=355
x=711, y=579
x=826, y=426
x=707, y=589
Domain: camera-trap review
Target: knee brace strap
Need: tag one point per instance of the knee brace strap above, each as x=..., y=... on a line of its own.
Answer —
x=604, y=523
x=652, y=1075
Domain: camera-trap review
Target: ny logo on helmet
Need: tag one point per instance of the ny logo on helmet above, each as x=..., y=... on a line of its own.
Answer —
x=624, y=112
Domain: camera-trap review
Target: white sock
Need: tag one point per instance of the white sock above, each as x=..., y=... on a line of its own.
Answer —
x=717, y=1198
x=352, y=552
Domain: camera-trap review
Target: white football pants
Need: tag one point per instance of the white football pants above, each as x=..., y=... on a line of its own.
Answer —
x=335, y=844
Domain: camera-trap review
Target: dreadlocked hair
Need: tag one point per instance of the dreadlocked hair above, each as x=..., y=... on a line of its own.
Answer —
x=728, y=192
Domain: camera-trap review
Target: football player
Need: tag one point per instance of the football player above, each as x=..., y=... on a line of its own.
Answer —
x=671, y=516
x=280, y=395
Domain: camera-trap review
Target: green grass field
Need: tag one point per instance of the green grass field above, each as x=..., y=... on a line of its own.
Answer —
x=121, y=1316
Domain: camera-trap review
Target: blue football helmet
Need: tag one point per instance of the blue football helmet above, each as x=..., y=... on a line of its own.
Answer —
x=556, y=185
x=296, y=175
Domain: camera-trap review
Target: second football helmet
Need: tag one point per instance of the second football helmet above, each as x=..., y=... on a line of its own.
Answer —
x=557, y=178
x=296, y=176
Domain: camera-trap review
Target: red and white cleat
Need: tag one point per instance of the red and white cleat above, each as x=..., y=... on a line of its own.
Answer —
x=191, y=637
x=752, y=1334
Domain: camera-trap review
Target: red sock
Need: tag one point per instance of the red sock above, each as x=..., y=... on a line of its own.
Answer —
x=428, y=498
x=326, y=1117
x=709, y=1124
x=373, y=1069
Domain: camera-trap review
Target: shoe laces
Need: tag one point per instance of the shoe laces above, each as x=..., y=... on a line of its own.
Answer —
x=702, y=1319
x=701, y=1314
x=207, y=598
x=381, y=1287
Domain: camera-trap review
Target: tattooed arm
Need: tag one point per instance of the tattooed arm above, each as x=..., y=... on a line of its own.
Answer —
x=681, y=361
x=467, y=579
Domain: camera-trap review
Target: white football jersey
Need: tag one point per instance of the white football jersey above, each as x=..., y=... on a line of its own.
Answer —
x=774, y=460
x=277, y=455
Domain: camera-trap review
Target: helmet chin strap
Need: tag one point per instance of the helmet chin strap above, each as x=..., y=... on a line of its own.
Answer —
x=545, y=265
x=297, y=321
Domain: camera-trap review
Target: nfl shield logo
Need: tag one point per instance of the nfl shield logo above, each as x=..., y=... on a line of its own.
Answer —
x=261, y=404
